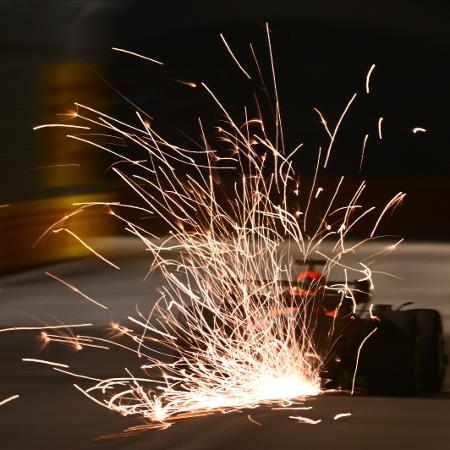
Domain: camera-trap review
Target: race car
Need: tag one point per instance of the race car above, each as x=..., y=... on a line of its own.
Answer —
x=366, y=347
x=396, y=351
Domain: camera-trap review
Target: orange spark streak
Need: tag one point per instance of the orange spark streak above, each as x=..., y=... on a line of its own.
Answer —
x=396, y=200
x=333, y=136
x=234, y=57
x=107, y=261
x=73, y=288
x=357, y=358
x=278, y=125
x=186, y=83
x=44, y=361
x=61, y=125
x=324, y=123
x=137, y=54
x=51, y=166
x=363, y=151
x=47, y=327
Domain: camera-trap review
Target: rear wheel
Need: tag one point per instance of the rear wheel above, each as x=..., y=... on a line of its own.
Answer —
x=432, y=357
x=389, y=359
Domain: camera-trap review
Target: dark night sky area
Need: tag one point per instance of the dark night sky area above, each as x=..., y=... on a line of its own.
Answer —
x=320, y=62
x=322, y=51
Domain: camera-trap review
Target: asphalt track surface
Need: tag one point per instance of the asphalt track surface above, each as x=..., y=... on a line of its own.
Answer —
x=51, y=414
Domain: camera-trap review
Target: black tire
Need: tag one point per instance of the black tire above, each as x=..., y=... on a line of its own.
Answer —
x=431, y=349
x=389, y=357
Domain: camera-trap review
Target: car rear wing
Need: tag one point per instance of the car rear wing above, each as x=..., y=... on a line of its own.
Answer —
x=310, y=263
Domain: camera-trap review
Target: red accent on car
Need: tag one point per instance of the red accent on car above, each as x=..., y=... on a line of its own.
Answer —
x=309, y=274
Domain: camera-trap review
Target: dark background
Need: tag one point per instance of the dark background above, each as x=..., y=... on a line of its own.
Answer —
x=53, y=53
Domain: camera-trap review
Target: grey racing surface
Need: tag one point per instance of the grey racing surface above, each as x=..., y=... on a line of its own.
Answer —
x=51, y=414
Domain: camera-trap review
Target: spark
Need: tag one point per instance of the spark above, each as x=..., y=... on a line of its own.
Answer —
x=9, y=399
x=61, y=125
x=75, y=289
x=419, y=130
x=234, y=57
x=278, y=126
x=305, y=420
x=357, y=358
x=107, y=261
x=341, y=415
x=300, y=408
x=186, y=83
x=44, y=361
x=386, y=250
x=380, y=134
x=319, y=190
x=324, y=123
x=393, y=203
x=363, y=150
x=336, y=129
x=46, y=327
x=138, y=55
x=371, y=313
x=369, y=73
x=250, y=418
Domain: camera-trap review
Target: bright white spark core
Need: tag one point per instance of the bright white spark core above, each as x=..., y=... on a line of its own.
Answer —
x=380, y=134
x=319, y=190
x=419, y=130
x=186, y=83
x=215, y=339
x=9, y=399
x=341, y=415
x=368, y=78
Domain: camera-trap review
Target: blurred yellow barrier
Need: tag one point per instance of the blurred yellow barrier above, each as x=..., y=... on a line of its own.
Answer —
x=22, y=224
